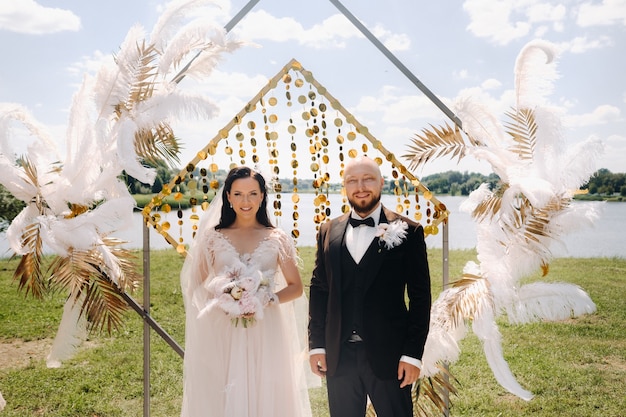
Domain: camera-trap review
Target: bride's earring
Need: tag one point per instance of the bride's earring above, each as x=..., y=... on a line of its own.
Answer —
x=231, y=205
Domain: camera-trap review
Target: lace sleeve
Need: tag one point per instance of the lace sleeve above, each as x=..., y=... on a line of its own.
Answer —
x=199, y=268
x=286, y=249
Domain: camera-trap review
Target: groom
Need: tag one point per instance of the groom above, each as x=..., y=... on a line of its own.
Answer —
x=362, y=335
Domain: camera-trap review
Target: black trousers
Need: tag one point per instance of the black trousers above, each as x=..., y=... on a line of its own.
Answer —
x=354, y=381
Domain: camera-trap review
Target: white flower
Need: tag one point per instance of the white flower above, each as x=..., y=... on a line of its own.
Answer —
x=236, y=292
x=392, y=234
x=241, y=293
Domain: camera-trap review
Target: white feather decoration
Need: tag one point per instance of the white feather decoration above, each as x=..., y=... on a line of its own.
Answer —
x=172, y=17
x=175, y=104
x=128, y=159
x=192, y=38
x=479, y=122
x=580, y=164
x=26, y=217
x=79, y=203
x=12, y=175
x=518, y=223
x=204, y=64
x=71, y=334
x=443, y=337
x=550, y=302
x=535, y=73
x=487, y=331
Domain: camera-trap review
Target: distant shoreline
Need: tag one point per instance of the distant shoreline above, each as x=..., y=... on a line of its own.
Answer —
x=143, y=199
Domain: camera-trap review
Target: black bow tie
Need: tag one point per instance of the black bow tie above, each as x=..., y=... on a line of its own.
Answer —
x=368, y=221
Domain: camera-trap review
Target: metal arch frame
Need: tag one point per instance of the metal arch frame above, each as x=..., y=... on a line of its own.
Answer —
x=144, y=311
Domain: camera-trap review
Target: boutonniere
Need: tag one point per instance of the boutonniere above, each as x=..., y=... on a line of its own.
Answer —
x=391, y=234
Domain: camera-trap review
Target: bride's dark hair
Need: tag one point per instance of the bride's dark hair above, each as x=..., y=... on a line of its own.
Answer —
x=228, y=214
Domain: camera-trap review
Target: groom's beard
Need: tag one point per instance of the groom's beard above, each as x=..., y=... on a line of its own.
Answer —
x=366, y=206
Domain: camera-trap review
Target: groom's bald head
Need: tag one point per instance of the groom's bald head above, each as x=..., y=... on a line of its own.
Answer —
x=361, y=163
x=363, y=184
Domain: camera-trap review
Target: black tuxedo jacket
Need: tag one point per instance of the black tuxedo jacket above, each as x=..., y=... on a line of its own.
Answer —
x=391, y=328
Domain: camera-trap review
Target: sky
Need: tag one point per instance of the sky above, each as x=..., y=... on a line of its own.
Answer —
x=455, y=48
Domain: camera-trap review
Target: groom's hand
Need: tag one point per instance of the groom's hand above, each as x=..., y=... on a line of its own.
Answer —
x=318, y=364
x=407, y=374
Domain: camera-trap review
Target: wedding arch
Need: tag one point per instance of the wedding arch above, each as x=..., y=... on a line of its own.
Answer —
x=293, y=127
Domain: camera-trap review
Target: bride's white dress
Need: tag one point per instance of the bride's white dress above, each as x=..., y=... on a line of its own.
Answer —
x=236, y=371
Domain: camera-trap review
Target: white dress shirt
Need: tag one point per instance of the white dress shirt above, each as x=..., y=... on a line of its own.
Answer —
x=358, y=239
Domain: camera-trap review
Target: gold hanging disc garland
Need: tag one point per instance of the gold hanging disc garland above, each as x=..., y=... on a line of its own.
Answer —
x=322, y=137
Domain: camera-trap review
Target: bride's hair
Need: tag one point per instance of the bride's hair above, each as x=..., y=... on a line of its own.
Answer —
x=228, y=214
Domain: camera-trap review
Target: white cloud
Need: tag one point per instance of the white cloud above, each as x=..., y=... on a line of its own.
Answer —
x=491, y=84
x=608, y=12
x=613, y=158
x=461, y=74
x=228, y=84
x=395, y=108
x=541, y=31
x=545, y=12
x=495, y=20
x=30, y=17
x=408, y=108
x=332, y=33
x=90, y=64
x=393, y=41
x=619, y=141
x=504, y=21
x=261, y=25
x=581, y=44
x=601, y=115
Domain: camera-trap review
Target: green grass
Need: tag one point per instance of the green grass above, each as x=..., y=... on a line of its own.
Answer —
x=574, y=368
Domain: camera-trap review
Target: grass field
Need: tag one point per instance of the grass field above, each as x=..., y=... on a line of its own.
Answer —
x=574, y=368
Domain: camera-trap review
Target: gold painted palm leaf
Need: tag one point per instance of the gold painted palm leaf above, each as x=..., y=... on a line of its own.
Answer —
x=490, y=207
x=523, y=129
x=103, y=304
x=160, y=143
x=151, y=144
x=84, y=275
x=470, y=296
x=431, y=395
x=435, y=143
x=534, y=225
x=29, y=271
x=140, y=76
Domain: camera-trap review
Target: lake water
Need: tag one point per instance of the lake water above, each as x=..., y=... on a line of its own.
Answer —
x=605, y=238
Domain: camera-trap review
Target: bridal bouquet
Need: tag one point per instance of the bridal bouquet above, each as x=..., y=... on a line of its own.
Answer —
x=242, y=294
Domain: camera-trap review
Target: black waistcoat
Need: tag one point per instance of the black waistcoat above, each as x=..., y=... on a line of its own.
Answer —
x=352, y=295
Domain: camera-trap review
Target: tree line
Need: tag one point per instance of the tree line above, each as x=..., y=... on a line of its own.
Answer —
x=603, y=184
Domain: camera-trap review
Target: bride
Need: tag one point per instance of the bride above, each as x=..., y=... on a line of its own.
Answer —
x=241, y=286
